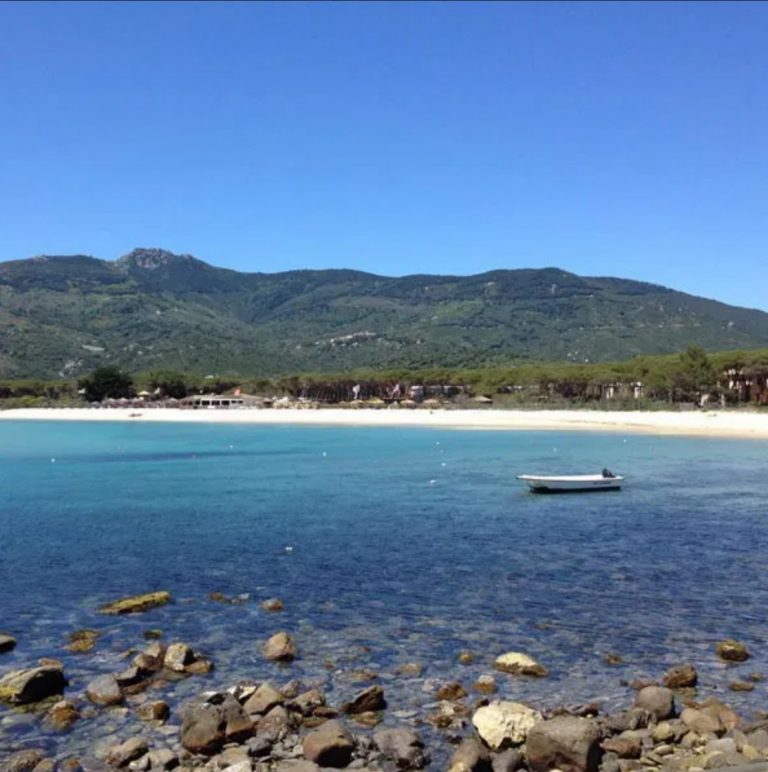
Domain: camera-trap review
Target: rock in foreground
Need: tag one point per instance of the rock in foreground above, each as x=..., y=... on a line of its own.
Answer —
x=330, y=745
x=7, y=643
x=503, y=723
x=567, y=743
x=32, y=685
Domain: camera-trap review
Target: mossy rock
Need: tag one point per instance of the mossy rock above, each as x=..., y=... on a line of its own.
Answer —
x=82, y=641
x=137, y=603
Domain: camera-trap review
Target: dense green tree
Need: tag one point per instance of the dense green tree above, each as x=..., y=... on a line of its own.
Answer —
x=106, y=382
x=170, y=383
x=695, y=374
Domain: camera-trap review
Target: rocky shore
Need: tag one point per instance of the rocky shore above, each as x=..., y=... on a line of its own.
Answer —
x=287, y=724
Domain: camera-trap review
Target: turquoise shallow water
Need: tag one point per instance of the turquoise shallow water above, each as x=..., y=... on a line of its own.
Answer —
x=403, y=544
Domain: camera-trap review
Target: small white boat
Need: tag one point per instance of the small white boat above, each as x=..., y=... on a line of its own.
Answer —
x=572, y=483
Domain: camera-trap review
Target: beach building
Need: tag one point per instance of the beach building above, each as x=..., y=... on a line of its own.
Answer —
x=212, y=401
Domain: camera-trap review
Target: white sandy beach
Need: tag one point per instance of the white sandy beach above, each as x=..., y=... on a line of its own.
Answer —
x=737, y=424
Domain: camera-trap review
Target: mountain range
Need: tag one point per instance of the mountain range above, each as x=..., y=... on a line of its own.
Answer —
x=151, y=309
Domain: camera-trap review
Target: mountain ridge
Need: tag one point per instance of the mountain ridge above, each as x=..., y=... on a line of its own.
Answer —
x=151, y=309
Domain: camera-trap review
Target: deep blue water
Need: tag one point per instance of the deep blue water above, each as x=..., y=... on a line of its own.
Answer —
x=413, y=543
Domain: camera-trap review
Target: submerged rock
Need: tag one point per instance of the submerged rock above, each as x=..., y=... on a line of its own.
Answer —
x=451, y=692
x=503, y=723
x=22, y=761
x=7, y=643
x=271, y=604
x=280, y=648
x=485, y=684
x=137, y=603
x=732, y=651
x=330, y=745
x=567, y=743
x=32, y=684
x=82, y=641
x=62, y=715
x=517, y=663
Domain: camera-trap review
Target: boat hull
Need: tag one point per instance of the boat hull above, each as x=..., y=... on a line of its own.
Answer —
x=572, y=484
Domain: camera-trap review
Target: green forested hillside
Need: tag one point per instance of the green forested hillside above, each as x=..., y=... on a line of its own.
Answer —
x=63, y=316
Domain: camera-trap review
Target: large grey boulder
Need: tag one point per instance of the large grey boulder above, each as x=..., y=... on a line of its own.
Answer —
x=403, y=746
x=330, y=745
x=657, y=700
x=32, y=684
x=567, y=743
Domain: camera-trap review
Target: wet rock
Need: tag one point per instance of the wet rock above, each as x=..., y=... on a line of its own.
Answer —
x=330, y=745
x=470, y=756
x=154, y=710
x=451, y=692
x=136, y=603
x=741, y=686
x=681, y=677
x=271, y=604
x=657, y=700
x=178, y=656
x=485, y=684
x=280, y=648
x=151, y=658
x=130, y=750
x=509, y=760
x=466, y=657
x=154, y=634
x=517, y=663
x=200, y=666
x=732, y=651
x=131, y=676
x=613, y=658
x=363, y=675
x=163, y=758
x=22, y=761
x=32, y=684
x=367, y=718
x=368, y=700
x=7, y=643
x=504, y=723
x=567, y=743
x=263, y=699
x=307, y=702
x=62, y=715
x=104, y=690
x=403, y=746
x=623, y=747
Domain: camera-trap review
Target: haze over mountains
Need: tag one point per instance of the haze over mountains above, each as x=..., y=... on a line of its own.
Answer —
x=152, y=309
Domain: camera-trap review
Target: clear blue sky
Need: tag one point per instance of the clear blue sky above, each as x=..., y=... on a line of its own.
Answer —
x=624, y=139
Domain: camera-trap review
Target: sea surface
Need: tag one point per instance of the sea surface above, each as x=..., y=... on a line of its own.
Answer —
x=386, y=546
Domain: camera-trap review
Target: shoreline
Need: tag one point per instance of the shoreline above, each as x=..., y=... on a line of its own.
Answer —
x=723, y=424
